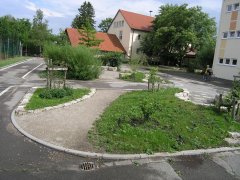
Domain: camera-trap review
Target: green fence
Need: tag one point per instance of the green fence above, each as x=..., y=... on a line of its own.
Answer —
x=9, y=48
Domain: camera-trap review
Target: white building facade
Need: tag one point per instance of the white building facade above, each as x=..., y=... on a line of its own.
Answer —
x=226, y=62
x=130, y=28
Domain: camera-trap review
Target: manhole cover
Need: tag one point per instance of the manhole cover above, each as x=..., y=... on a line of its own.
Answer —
x=87, y=166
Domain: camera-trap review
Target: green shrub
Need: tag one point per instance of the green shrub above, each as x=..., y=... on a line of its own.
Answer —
x=113, y=59
x=81, y=61
x=56, y=93
x=135, y=77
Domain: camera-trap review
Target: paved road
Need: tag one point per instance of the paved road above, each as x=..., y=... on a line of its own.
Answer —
x=22, y=159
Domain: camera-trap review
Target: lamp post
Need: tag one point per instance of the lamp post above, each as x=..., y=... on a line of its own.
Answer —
x=150, y=13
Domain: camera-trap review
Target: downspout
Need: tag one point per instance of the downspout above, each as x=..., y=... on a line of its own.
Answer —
x=132, y=44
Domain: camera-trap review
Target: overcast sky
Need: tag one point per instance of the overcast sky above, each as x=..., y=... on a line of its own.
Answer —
x=60, y=13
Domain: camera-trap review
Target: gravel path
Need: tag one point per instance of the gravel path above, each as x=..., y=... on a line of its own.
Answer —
x=68, y=127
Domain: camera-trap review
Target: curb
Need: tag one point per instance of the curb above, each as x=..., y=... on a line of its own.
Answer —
x=107, y=156
x=20, y=110
x=185, y=97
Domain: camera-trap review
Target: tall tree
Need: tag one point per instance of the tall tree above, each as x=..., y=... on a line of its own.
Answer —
x=175, y=29
x=15, y=31
x=39, y=32
x=105, y=24
x=86, y=14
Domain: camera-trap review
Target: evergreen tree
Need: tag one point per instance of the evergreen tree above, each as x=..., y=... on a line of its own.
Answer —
x=86, y=14
x=88, y=36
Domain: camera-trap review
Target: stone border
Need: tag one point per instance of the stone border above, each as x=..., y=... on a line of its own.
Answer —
x=107, y=156
x=185, y=97
x=20, y=110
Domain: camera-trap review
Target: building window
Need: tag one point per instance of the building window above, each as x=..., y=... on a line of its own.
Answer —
x=120, y=35
x=238, y=34
x=229, y=8
x=139, y=36
x=232, y=34
x=122, y=23
x=236, y=6
x=225, y=35
x=221, y=61
x=227, y=61
x=234, y=62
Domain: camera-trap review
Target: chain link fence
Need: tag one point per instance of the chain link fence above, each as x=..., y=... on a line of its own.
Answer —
x=10, y=48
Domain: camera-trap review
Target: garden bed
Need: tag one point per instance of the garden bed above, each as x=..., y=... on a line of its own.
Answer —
x=148, y=122
x=133, y=77
x=36, y=102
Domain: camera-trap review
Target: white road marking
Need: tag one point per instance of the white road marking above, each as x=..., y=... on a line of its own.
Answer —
x=4, y=68
x=6, y=90
x=24, y=76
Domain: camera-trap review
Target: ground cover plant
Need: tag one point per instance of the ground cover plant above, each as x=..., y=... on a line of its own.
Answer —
x=147, y=122
x=43, y=97
x=10, y=61
x=134, y=77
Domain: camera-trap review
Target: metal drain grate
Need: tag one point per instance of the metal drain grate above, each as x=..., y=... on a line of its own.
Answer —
x=87, y=166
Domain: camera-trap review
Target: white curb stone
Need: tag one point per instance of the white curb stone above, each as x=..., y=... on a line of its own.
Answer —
x=119, y=156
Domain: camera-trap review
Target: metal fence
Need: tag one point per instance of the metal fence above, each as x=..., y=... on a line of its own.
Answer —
x=10, y=48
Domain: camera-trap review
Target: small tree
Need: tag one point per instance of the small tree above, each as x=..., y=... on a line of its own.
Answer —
x=88, y=36
x=154, y=79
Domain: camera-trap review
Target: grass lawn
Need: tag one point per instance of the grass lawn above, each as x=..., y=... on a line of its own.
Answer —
x=37, y=103
x=134, y=77
x=7, y=62
x=147, y=122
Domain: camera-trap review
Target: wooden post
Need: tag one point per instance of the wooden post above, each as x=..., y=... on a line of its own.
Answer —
x=220, y=102
x=50, y=78
x=48, y=86
x=233, y=108
x=148, y=85
x=65, y=77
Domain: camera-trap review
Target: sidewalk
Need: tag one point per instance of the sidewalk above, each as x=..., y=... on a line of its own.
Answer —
x=68, y=127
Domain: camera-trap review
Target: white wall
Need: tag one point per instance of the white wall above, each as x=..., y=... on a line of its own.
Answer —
x=126, y=32
x=135, y=42
x=231, y=49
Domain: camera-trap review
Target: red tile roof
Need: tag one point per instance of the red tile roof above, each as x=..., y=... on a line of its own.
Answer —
x=110, y=41
x=137, y=21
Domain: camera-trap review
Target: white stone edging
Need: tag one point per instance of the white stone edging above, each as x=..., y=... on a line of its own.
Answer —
x=107, y=156
x=184, y=95
x=20, y=110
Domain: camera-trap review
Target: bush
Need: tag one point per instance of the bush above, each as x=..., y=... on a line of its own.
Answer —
x=56, y=93
x=135, y=77
x=113, y=59
x=81, y=61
